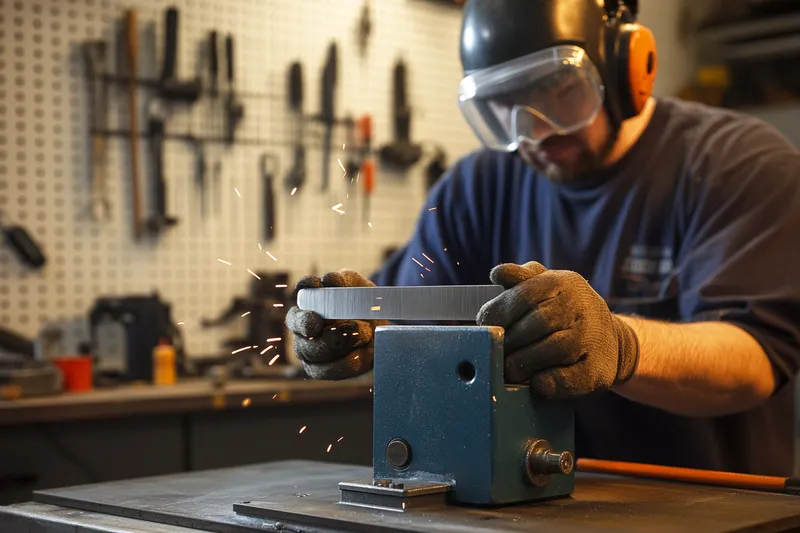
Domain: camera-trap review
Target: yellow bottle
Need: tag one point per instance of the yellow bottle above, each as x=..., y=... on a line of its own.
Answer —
x=164, y=364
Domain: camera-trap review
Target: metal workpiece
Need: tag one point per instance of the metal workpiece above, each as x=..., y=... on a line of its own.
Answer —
x=541, y=461
x=419, y=304
x=443, y=415
x=385, y=495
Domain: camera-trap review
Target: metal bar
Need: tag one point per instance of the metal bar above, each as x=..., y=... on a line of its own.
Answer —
x=431, y=303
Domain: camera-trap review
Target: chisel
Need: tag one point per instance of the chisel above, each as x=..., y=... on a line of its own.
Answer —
x=457, y=303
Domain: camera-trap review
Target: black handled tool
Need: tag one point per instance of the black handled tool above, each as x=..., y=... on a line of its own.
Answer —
x=328, y=111
x=24, y=246
x=171, y=88
x=234, y=110
x=159, y=220
x=269, y=167
x=401, y=152
x=213, y=63
x=297, y=174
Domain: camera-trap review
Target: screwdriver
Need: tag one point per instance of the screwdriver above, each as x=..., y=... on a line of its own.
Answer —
x=368, y=163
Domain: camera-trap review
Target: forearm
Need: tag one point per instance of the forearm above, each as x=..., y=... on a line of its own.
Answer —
x=698, y=369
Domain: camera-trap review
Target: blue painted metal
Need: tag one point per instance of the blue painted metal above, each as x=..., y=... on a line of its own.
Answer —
x=473, y=433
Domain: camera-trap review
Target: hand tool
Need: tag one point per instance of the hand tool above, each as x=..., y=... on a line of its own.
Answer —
x=214, y=120
x=435, y=168
x=328, y=110
x=23, y=245
x=401, y=153
x=234, y=110
x=352, y=163
x=368, y=167
x=132, y=49
x=297, y=174
x=201, y=172
x=430, y=303
x=170, y=87
x=269, y=167
x=159, y=221
x=364, y=28
x=96, y=55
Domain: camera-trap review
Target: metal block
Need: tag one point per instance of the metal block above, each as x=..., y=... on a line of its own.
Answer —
x=419, y=304
x=442, y=414
x=386, y=495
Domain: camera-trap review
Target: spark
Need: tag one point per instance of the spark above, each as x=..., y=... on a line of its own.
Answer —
x=375, y=308
x=379, y=297
x=245, y=314
x=342, y=166
x=404, y=505
x=445, y=249
x=246, y=402
x=281, y=286
x=277, y=305
x=259, y=246
x=271, y=256
x=428, y=269
x=224, y=262
x=181, y=323
x=333, y=329
x=338, y=209
x=274, y=395
x=354, y=334
x=340, y=439
x=265, y=350
x=417, y=262
x=458, y=264
x=432, y=209
x=428, y=258
x=343, y=147
x=422, y=275
x=253, y=274
x=344, y=334
x=274, y=339
x=329, y=448
x=294, y=191
x=237, y=192
x=369, y=224
x=240, y=350
x=302, y=429
x=494, y=398
x=370, y=389
x=272, y=361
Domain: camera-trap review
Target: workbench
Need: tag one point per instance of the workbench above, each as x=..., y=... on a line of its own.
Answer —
x=301, y=496
x=141, y=430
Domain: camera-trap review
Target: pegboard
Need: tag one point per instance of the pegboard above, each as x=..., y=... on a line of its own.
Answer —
x=45, y=148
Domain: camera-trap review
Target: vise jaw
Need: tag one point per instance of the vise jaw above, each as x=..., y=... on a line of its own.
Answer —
x=448, y=430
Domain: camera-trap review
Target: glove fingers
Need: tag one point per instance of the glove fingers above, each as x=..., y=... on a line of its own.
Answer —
x=544, y=319
x=566, y=382
x=517, y=300
x=335, y=341
x=345, y=278
x=304, y=323
x=508, y=275
x=307, y=282
x=559, y=348
x=354, y=364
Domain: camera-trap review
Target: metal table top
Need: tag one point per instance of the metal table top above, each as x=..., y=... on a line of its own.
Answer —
x=301, y=496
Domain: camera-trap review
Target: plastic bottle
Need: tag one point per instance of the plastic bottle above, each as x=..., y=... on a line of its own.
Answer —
x=164, y=364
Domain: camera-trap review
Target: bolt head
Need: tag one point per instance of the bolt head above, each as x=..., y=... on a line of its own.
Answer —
x=398, y=453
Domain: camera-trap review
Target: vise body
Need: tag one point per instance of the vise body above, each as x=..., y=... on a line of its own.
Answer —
x=446, y=427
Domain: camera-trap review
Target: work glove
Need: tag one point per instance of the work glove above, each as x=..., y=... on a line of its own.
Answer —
x=560, y=336
x=332, y=349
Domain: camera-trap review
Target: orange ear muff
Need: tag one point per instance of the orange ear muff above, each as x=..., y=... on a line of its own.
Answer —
x=640, y=50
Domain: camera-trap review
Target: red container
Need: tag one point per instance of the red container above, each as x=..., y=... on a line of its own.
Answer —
x=77, y=372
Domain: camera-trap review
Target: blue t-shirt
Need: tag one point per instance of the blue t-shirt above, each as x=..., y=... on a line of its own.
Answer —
x=699, y=221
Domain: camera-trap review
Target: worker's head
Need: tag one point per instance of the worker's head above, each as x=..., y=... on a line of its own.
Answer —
x=554, y=79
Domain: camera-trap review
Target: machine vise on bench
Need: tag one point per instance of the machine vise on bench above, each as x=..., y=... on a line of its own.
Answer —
x=447, y=429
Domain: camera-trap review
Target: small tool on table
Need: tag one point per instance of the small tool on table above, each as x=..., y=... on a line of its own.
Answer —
x=97, y=65
x=269, y=167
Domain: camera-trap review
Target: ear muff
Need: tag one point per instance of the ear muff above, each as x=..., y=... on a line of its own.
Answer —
x=637, y=63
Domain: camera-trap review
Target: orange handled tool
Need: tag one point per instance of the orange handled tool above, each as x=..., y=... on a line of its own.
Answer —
x=368, y=170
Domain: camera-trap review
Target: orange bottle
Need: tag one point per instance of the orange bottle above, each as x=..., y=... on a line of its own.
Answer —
x=164, y=364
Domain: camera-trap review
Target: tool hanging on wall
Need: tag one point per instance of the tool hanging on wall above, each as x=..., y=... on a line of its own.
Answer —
x=234, y=110
x=297, y=174
x=401, y=153
x=159, y=220
x=171, y=88
x=436, y=167
x=368, y=167
x=214, y=119
x=26, y=249
x=364, y=28
x=96, y=55
x=269, y=168
x=132, y=51
x=328, y=110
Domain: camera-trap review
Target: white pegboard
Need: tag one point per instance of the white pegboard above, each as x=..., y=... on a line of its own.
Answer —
x=45, y=146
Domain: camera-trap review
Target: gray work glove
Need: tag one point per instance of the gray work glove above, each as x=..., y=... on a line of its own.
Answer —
x=560, y=335
x=332, y=349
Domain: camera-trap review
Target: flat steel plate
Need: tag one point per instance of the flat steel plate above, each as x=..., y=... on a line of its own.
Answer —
x=457, y=303
x=303, y=495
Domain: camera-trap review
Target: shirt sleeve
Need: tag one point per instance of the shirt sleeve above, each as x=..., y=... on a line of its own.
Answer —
x=445, y=248
x=740, y=256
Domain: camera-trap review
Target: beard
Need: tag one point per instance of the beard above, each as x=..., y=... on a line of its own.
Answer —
x=583, y=162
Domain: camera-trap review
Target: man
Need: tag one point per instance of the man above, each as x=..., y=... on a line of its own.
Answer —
x=665, y=300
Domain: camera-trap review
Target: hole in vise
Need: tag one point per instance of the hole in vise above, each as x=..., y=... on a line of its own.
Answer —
x=466, y=371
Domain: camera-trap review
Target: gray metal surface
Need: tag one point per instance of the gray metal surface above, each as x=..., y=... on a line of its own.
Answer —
x=303, y=496
x=441, y=390
x=434, y=303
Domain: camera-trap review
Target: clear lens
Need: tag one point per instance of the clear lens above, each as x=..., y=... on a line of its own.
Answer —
x=556, y=91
